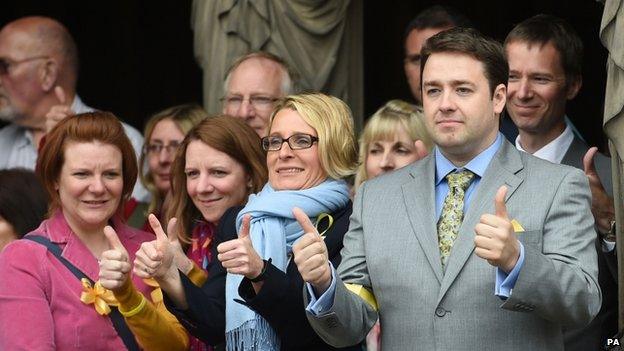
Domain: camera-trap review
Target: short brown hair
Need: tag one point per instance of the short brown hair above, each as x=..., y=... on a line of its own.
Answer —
x=85, y=128
x=230, y=136
x=185, y=117
x=543, y=29
x=469, y=41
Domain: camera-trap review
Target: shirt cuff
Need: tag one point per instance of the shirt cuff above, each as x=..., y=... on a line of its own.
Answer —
x=506, y=282
x=607, y=246
x=319, y=306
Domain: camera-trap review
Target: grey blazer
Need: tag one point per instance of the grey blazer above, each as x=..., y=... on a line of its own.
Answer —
x=391, y=248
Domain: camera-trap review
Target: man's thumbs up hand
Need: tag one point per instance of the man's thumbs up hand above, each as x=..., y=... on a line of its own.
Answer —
x=495, y=240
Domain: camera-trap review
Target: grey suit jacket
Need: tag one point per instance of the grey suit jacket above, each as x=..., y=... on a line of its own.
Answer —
x=604, y=325
x=391, y=248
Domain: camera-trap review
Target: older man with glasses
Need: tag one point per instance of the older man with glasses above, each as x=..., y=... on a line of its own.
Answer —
x=252, y=85
x=38, y=74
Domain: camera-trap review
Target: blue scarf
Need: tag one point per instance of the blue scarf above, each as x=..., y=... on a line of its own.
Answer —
x=273, y=232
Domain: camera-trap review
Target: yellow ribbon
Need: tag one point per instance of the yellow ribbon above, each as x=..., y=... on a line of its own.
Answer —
x=321, y=217
x=156, y=294
x=97, y=295
x=516, y=226
x=364, y=294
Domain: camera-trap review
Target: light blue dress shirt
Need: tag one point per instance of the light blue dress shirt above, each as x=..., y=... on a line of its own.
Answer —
x=478, y=165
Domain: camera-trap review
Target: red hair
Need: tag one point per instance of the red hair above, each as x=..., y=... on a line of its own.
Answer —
x=84, y=128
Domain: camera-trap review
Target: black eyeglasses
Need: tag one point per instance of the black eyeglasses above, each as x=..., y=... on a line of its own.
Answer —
x=156, y=149
x=296, y=142
x=5, y=64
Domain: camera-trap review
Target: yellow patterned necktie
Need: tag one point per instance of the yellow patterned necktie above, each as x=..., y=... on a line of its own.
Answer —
x=452, y=212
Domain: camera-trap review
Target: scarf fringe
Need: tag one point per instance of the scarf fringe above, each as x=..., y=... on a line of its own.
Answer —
x=255, y=334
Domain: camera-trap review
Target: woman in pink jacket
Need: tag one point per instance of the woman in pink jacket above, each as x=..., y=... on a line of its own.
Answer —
x=52, y=292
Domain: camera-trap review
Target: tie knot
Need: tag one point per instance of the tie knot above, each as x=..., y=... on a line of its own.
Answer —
x=460, y=179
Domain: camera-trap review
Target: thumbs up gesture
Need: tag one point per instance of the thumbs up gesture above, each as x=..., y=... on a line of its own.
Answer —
x=58, y=112
x=155, y=258
x=238, y=256
x=114, y=265
x=495, y=240
x=311, y=255
x=602, y=204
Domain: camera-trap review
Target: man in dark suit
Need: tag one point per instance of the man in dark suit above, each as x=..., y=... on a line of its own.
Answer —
x=545, y=55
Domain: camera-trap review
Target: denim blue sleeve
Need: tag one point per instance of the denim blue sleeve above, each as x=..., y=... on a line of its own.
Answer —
x=506, y=282
x=320, y=306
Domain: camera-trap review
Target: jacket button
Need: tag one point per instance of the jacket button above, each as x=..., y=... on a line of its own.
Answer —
x=440, y=312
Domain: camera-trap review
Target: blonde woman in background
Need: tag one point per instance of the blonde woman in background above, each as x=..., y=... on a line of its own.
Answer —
x=393, y=137
x=164, y=132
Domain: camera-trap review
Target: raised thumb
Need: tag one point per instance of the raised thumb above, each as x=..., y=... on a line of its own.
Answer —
x=304, y=220
x=60, y=94
x=499, y=202
x=244, y=231
x=113, y=239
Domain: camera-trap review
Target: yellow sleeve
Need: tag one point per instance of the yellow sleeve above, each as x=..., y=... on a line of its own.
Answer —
x=197, y=275
x=153, y=326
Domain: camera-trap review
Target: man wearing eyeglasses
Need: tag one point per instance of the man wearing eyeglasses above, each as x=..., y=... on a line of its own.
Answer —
x=38, y=71
x=252, y=85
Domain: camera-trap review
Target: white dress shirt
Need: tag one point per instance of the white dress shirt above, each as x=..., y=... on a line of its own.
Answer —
x=556, y=149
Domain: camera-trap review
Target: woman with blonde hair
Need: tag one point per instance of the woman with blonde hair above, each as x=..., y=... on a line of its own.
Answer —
x=253, y=297
x=394, y=137
x=164, y=132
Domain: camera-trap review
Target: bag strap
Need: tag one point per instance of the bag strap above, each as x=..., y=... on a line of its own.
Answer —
x=119, y=322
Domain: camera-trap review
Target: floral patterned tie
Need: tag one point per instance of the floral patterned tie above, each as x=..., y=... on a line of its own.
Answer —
x=452, y=212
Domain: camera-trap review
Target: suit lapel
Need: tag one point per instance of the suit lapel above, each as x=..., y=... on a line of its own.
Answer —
x=574, y=155
x=419, y=198
x=502, y=170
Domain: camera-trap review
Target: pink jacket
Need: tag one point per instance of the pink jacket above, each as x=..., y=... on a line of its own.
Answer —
x=40, y=307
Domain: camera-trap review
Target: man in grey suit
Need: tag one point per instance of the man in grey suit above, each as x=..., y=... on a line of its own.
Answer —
x=508, y=275
x=545, y=55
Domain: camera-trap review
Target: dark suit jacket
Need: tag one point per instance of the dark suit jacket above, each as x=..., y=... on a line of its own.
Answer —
x=605, y=324
x=280, y=300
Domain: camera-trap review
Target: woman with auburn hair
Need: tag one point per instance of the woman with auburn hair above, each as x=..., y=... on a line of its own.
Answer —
x=54, y=294
x=217, y=166
x=393, y=137
x=253, y=298
x=163, y=134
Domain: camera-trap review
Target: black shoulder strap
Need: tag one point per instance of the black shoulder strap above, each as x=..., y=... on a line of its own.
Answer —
x=118, y=321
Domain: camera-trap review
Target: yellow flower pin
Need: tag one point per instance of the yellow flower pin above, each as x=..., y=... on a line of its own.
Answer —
x=97, y=295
